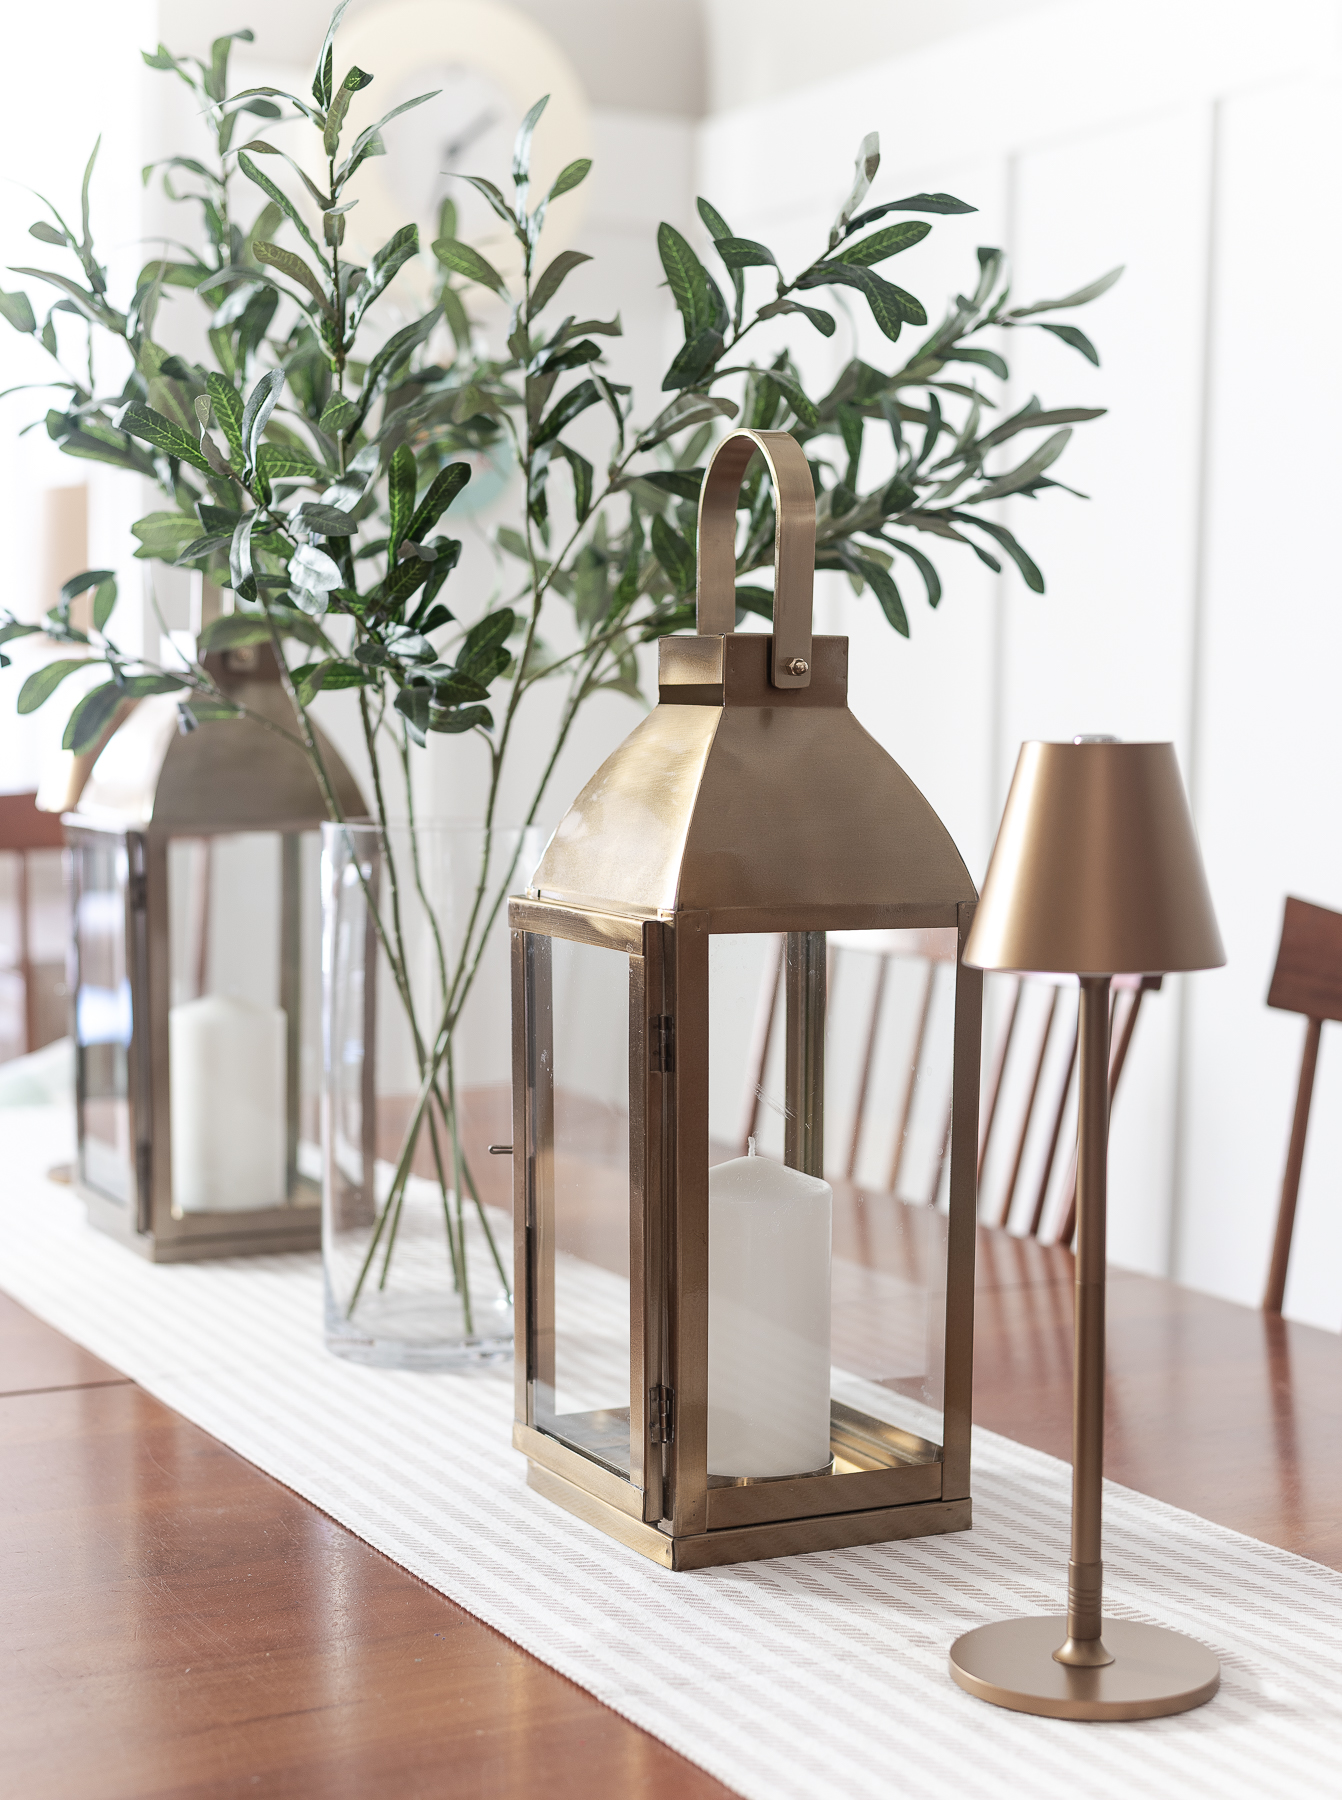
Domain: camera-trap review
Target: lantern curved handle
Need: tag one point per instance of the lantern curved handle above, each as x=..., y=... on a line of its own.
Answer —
x=794, y=547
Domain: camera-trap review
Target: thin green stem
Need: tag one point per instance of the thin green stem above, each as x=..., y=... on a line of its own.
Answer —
x=455, y=1129
x=456, y=1245
x=396, y=1207
x=395, y=954
x=398, y=1180
x=403, y=744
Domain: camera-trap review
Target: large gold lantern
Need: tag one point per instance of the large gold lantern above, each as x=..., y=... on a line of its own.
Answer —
x=196, y=964
x=693, y=1416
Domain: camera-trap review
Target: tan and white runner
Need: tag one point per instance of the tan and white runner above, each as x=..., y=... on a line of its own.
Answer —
x=814, y=1676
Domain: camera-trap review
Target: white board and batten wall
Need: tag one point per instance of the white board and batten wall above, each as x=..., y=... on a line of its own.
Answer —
x=1194, y=597
x=1191, y=598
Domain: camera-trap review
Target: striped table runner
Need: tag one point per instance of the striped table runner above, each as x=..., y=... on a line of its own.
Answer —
x=807, y=1677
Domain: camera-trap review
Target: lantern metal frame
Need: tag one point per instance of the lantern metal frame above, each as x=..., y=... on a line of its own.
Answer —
x=749, y=801
x=153, y=785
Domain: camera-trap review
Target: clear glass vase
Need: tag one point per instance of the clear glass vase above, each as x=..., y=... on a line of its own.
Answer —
x=416, y=1212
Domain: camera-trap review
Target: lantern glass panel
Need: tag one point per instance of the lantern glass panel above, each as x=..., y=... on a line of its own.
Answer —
x=892, y=1027
x=103, y=1016
x=582, y=1367
x=819, y=1301
x=244, y=980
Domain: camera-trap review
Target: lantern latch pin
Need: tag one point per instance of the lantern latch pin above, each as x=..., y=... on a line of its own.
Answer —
x=661, y=1425
x=662, y=1044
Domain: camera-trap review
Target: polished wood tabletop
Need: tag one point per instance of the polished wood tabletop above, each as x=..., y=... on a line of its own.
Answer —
x=176, y=1623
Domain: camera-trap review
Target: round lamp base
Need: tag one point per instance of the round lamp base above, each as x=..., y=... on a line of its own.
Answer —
x=1154, y=1671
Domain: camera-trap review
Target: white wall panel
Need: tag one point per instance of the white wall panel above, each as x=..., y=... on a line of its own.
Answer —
x=1194, y=597
x=1160, y=618
x=1109, y=646
x=1269, y=753
x=928, y=700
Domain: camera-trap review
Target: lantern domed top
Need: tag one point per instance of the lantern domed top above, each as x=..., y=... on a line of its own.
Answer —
x=751, y=792
x=227, y=775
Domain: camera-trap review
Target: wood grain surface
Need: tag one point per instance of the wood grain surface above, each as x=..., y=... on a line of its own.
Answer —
x=1224, y=1410
x=176, y=1623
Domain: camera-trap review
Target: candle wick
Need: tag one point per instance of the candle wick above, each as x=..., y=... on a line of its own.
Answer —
x=750, y=1146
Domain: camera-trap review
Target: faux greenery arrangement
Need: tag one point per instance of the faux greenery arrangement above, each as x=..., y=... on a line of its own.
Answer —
x=309, y=470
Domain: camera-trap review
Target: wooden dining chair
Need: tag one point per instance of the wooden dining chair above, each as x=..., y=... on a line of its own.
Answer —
x=1056, y=1042
x=1025, y=1095
x=24, y=833
x=924, y=954
x=1307, y=980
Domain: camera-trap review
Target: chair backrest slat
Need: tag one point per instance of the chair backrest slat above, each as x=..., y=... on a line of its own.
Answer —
x=868, y=1058
x=999, y=1069
x=915, y=1064
x=1308, y=975
x=1307, y=979
x=1027, y=1115
x=1135, y=986
x=1050, y=1156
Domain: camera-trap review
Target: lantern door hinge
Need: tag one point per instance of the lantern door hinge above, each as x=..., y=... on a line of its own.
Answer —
x=661, y=1421
x=662, y=1044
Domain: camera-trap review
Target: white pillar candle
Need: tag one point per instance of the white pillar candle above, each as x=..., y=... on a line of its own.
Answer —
x=226, y=1070
x=768, y=1319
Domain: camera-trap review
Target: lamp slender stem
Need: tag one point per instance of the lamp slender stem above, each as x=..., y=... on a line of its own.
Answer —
x=1084, y=1647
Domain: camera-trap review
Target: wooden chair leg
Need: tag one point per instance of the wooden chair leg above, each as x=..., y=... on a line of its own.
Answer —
x=1295, y=1162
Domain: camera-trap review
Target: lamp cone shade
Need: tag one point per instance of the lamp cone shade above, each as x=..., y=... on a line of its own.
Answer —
x=1096, y=869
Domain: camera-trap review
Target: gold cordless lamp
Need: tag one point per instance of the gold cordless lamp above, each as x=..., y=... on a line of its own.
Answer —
x=1095, y=872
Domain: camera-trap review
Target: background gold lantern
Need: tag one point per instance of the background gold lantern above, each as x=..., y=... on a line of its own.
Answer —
x=694, y=1417
x=196, y=975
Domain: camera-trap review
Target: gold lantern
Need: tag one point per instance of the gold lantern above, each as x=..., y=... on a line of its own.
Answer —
x=196, y=966
x=692, y=1416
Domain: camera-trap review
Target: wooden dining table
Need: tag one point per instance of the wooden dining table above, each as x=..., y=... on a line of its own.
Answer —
x=177, y=1623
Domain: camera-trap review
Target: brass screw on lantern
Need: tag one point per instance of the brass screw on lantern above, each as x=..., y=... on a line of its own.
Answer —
x=1095, y=872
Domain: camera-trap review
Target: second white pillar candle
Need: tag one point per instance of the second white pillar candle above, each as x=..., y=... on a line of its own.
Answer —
x=226, y=1074
x=769, y=1232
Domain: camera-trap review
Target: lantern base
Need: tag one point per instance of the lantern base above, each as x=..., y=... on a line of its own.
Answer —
x=201, y=1237
x=750, y=1543
x=1154, y=1672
